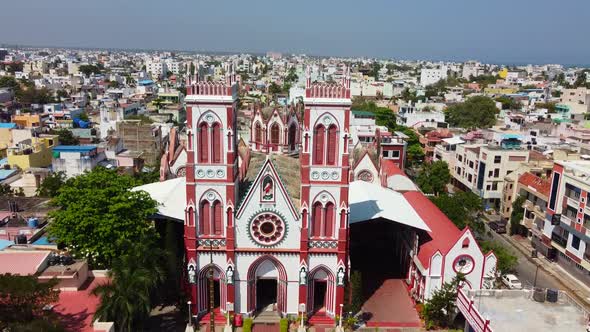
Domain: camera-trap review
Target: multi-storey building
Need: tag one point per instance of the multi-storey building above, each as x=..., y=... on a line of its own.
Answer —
x=535, y=191
x=481, y=168
x=566, y=228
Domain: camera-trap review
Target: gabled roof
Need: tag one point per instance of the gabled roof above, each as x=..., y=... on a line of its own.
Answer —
x=443, y=233
x=372, y=201
x=390, y=168
x=287, y=171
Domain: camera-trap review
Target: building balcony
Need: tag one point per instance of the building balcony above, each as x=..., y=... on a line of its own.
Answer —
x=559, y=240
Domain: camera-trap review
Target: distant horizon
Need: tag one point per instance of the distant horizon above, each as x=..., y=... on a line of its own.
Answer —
x=502, y=31
x=262, y=53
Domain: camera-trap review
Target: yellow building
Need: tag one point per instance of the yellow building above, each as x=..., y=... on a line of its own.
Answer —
x=27, y=120
x=34, y=152
x=6, y=134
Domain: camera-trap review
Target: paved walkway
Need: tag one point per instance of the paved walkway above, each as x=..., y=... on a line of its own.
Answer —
x=391, y=306
x=576, y=288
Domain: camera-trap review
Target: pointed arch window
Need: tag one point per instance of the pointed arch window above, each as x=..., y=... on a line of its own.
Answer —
x=216, y=143
x=203, y=142
x=217, y=218
x=332, y=145
x=329, y=220
x=257, y=133
x=316, y=222
x=275, y=133
x=318, y=142
x=205, y=217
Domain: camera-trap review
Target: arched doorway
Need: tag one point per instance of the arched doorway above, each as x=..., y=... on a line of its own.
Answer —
x=267, y=285
x=275, y=134
x=292, y=136
x=321, y=291
x=219, y=294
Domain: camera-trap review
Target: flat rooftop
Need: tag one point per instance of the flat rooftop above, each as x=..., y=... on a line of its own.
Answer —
x=517, y=311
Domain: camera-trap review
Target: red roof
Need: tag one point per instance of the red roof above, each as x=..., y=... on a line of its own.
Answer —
x=76, y=309
x=390, y=168
x=443, y=232
x=542, y=186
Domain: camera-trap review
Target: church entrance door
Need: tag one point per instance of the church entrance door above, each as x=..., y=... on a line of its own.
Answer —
x=266, y=294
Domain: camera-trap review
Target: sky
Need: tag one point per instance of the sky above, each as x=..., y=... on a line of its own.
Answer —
x=498, y=31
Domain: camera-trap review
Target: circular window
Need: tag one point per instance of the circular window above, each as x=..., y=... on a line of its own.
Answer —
x=464, y=264
x=267, y=229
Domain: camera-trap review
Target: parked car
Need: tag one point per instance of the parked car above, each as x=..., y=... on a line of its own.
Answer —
x=511, y=281
x=498, y=227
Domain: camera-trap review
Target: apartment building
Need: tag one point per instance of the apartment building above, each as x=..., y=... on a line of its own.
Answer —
x=412, y=116
x=142, y=137
x=482, y=168
x=32, y=153
x=74, y=160
x=156, y=68
x=535, y=191
x=565, y=233
x=430, y=76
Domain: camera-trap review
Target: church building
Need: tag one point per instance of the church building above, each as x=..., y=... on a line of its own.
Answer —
x=280, y=221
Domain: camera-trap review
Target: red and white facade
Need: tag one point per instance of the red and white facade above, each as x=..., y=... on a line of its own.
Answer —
x=264, y=247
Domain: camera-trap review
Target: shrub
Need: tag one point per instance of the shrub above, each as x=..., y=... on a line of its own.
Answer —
x=284, y=325
x=247, y=325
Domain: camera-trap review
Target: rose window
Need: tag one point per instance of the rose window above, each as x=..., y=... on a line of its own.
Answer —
x=267, y=229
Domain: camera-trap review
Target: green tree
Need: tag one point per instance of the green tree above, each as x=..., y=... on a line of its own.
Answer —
x=506, y=260
x=462, y=208
x=509, y=103
x=9, y=82
x=135, y=276
x=414, y=154
x=89, y=69
x=375, y=70
x=475, y=112
x=66, y=137
x=274, y=88
x=434, y=177
x=355, y=291
x=99, y=216
x=440, y=309
x=517, y=215
x=22, y=299
x=51, y=184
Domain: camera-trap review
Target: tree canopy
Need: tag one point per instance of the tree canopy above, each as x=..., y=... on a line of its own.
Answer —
x=462, y=208
x=127, y=298
x=66, y=137
x=440, y=309
x=475, y=112
x=22, y=299
x=434, y=177
x=99, y=216
x=51, y=184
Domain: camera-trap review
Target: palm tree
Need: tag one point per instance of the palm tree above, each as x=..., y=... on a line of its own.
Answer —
x=127, y=298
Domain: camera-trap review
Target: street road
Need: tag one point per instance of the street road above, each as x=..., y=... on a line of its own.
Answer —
x=525, y=270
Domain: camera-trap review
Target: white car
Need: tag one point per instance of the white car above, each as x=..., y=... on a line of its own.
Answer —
x=511, y=281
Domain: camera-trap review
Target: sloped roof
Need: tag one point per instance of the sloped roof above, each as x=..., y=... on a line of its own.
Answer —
x=170, y=195
x=443, y=232
x=287, y=167
x=372, y=201
x=541, y=186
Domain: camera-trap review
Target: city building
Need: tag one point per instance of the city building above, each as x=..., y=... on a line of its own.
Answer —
x=32, y=153
x=74, y=160
x=566, y=229
x=430, y=76
x=412, y=116
x=142, y=137
x=481, y=168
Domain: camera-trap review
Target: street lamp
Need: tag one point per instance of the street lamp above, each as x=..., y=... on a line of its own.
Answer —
x=211, y=291
x=190, y=317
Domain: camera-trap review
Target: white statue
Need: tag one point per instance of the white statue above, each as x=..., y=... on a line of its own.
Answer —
x=192, y=274
x=303, y=276
x=340, y=277
x=230, y=275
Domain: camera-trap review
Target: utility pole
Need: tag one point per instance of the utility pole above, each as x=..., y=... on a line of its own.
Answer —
x=211, y=291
